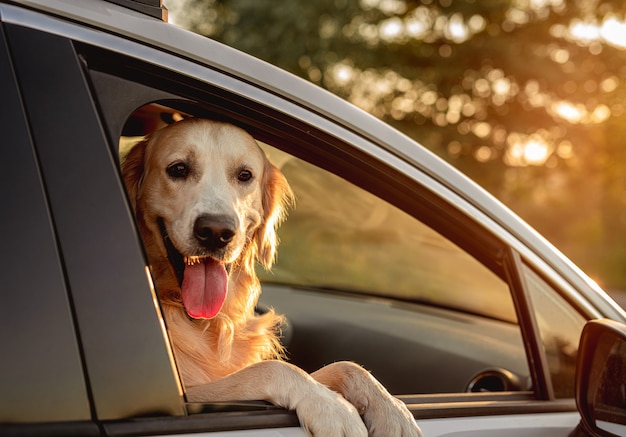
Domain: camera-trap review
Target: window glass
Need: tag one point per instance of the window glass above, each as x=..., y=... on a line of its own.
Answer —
x=560, y=327
x=343, y=238
x=359, y=279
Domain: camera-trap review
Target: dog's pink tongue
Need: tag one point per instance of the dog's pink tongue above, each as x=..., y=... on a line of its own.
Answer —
x=204, y=288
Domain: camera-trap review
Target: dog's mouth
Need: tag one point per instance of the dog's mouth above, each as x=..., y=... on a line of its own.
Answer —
x=203, y=280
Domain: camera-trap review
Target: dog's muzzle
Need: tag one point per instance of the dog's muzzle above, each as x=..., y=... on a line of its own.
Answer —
x=215, y=238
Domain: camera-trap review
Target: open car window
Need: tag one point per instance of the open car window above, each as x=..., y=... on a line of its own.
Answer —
x=362, y=280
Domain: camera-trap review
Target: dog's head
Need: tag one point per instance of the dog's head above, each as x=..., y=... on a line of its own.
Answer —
x=208, y=201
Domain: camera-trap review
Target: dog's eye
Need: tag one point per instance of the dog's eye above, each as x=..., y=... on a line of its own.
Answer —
x=178, y=170
x=244, y=175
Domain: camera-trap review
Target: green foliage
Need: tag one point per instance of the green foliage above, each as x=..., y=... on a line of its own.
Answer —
x=512, y=92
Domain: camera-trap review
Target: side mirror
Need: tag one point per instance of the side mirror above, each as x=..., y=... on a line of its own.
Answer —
x=601, y=378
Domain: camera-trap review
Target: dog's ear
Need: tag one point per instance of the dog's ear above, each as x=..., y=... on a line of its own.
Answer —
x=277, y=197
x=132, y=170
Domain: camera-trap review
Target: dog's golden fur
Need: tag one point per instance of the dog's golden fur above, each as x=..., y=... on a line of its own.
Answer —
x=185, y=171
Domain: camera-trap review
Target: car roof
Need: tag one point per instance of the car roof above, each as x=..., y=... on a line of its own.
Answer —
x=133, y=25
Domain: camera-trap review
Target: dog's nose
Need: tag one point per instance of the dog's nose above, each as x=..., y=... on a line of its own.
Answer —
x=214, y=231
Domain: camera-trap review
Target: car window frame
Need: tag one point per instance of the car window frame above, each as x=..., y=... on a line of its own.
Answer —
x=237, y=109
x=544, y=393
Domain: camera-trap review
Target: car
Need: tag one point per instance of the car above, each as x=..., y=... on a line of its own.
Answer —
x=391, y=258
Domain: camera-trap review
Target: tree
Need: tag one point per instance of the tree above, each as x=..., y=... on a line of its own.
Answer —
x=525, y=96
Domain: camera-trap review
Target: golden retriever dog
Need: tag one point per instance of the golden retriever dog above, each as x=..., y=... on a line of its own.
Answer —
x=207, y=203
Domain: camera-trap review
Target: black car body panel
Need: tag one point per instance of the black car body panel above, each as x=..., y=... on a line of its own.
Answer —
x=41, y=355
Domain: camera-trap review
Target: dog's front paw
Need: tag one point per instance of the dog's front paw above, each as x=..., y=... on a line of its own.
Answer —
x=383, y=414
x=328, y=414
x=387, y=416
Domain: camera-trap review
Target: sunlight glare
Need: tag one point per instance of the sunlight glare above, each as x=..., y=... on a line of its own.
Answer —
x=614, y=32
x=416, y=28
x=568, y=111
x=601, y=114
x=609, y=84
x=477, y=23
x=457, y=30
x=343, y=74
x=391, y=29
x=502, y=86
x=526, y=150
x=536, y=152
x=584, y=31
x=481, y=129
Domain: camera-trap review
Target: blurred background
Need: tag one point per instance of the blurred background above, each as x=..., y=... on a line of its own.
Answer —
x=527, y=97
